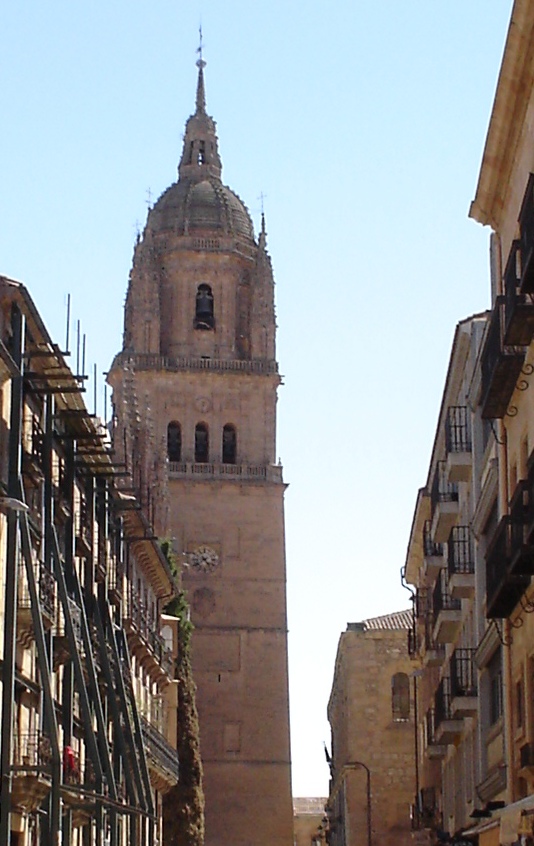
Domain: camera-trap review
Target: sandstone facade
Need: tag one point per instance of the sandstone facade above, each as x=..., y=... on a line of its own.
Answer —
x=371, y=714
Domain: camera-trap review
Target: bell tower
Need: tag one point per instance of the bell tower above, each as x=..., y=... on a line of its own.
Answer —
x=195, y=390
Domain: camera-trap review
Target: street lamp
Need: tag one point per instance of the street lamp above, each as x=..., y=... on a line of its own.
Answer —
x=353, y=765
x=339, y=780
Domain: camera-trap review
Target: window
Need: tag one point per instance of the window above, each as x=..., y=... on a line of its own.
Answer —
x=229, y=444
x=400, y=697
x=204, y=318
x=174, y=442
x=202, y=444
x=495, y=688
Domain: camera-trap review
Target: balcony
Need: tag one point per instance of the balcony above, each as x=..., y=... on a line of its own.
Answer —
x=500, y=366
x=444, y=503
x=522, y=541
x=31, y=770
x=434, y=653
x=458, y=443
x=146, y=641
x=162, y=757
x=425, y=812
x=448, y=729
x=503, y=588
x=519, y=307
x=422, y=603
x=46, y=591
x=461, y=563
x=226, y=472
x=526, y=227
x=447, y=611
x=432, y=552
x=433, y=749
x=464, y=694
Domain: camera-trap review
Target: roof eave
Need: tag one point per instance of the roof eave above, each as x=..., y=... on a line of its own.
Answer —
x=507, y=117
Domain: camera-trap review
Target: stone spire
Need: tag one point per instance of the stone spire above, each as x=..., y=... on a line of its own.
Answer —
x=200, y=156
x=201, y=93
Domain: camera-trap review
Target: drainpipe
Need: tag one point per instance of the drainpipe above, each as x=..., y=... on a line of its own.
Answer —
x=504, y=496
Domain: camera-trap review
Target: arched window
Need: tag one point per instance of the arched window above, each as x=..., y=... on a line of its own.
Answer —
x=174, y=442
x=229, y=444
x=204, y=318
x=202, y=444
x=400, y=697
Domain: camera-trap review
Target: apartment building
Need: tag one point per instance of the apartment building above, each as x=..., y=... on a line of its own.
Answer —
x=479, y=722
x=453, y=516
x=504, y=200
x=86, y=752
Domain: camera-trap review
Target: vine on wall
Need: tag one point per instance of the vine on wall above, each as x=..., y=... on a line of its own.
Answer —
x=183, y=805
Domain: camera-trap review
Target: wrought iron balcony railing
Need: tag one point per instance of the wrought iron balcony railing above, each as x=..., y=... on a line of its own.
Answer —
x=442, y=707
x=503, y=589
x=431, y=549
x=46, y=588
x=160, y=750
x=442, y=489
x=463, y=673
x=441, y=597
x=460, y=551
x=31, y=751
x=526, y=228
x=500, y=365
x=422, y=603
x=458, y=429
x=519, y=307
x=430, y=727
x=143, y=623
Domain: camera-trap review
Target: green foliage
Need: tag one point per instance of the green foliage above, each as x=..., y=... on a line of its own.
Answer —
x=183, y=806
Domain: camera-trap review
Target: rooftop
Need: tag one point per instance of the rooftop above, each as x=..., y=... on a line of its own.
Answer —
x=395, y=620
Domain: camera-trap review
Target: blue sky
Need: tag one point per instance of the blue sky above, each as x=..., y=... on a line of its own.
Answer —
x=363, y=124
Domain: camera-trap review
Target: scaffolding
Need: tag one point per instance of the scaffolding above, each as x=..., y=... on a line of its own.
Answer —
x=73, y=753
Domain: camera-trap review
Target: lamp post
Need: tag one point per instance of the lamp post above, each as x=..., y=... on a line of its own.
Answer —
x=338, y=781
x=353, y=765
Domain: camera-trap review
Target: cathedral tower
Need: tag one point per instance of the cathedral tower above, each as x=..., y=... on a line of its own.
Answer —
x=195, y=391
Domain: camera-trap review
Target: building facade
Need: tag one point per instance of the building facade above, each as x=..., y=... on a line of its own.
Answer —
x=484, y=786
x=371, y=715
x=310, y=823
x=85, y=756
x=504, y=200
x=446, y=554
x=195, y=390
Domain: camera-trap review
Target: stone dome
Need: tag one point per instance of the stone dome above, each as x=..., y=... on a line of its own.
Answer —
x=199, y=202
x=205, y=206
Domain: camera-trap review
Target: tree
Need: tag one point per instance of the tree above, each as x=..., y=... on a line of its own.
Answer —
x=183, y=806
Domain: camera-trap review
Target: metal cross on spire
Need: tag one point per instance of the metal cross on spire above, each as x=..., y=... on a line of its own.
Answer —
x=200, y=62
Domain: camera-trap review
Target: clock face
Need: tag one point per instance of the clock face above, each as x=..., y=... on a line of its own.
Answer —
x=204, y=559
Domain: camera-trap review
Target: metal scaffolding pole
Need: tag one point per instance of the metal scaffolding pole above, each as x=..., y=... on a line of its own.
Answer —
x=11, y=566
